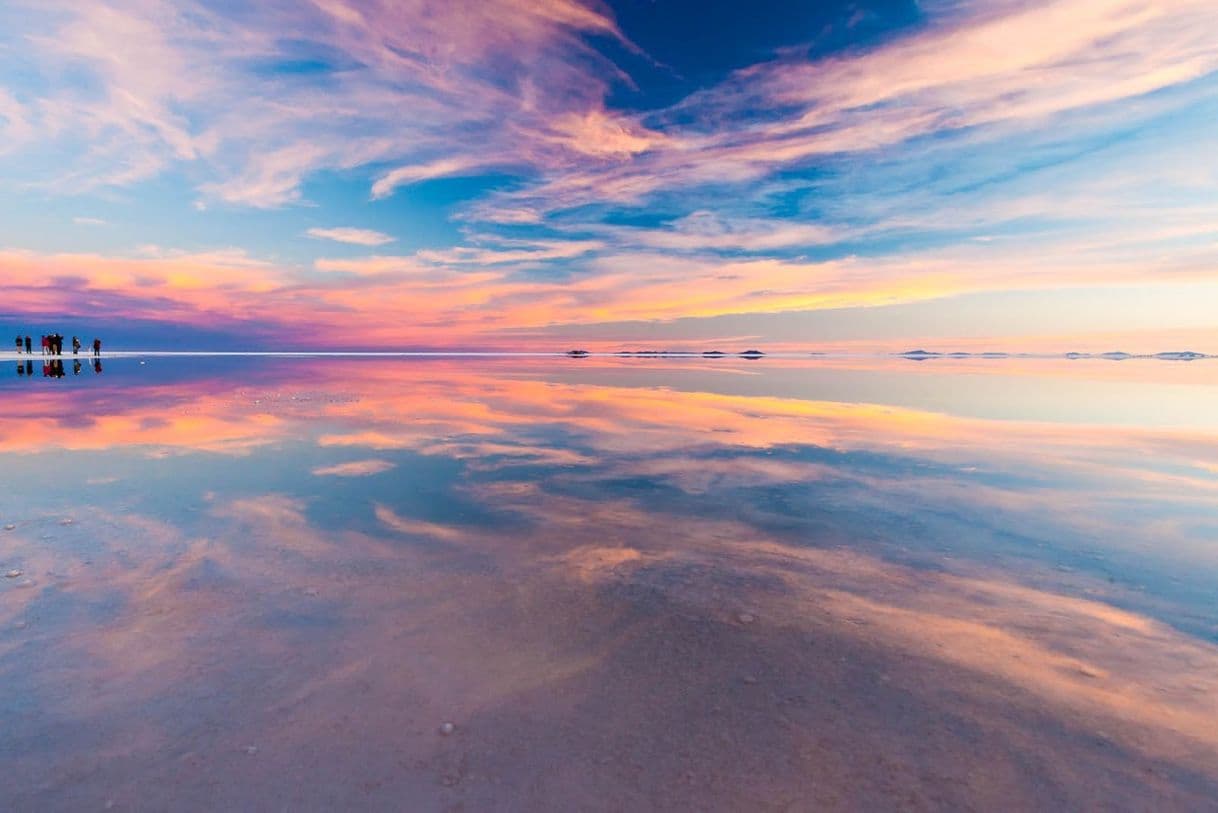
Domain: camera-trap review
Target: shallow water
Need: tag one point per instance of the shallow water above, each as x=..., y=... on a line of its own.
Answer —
x=267, y=584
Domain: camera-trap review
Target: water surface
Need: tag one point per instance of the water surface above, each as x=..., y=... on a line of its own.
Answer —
x=265, y=584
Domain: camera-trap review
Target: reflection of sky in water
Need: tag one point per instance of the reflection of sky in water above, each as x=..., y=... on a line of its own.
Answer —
x=973, y=575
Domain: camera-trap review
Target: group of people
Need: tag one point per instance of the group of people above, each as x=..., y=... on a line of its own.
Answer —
x=52, y=345
x=53, y=368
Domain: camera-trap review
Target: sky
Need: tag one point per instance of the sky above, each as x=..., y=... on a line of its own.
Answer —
x=537, y=174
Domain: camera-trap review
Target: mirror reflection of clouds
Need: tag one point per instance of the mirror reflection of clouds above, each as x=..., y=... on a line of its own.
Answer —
x=261, y=558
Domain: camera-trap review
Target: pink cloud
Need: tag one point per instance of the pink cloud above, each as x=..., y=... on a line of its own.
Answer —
x=997, y=69
x=171, y=83
x=487, y=295
x=521, y=86
x=413, y=173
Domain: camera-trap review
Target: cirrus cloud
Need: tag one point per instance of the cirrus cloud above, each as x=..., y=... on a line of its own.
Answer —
x=354, y=468
x=357, y=237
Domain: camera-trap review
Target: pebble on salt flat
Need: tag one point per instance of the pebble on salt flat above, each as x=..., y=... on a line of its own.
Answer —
x=10, y=527
x=746, y=618
x=447, y=728
x=12, y=574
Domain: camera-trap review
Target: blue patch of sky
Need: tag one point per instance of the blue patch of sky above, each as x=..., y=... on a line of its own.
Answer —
x=690, y=44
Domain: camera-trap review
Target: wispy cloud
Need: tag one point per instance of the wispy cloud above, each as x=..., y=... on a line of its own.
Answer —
x=1055, y=57
x=503, y=252
x=90, y=221
x=171, y=83
x=435, y=90
x=358, y=237
x=413, y=173
x=354, y=468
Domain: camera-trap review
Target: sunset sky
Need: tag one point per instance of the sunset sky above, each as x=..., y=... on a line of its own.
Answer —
x=536, y=174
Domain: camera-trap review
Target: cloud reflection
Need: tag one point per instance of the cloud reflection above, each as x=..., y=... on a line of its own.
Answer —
x=604, y=569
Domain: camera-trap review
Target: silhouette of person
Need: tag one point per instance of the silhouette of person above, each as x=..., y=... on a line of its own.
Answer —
x=29, y=368
x=97, y=347
x=28, y=345
x=19, y=345
x=76, y=367
x=21, y=368
x=46, y=344
x=75, y=345
x=97, y=368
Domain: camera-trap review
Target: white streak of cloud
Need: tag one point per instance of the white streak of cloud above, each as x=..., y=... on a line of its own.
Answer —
x=357, y=237
x=355, y=468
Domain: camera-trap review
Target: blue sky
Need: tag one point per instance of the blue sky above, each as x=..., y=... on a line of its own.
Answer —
x=856, y=175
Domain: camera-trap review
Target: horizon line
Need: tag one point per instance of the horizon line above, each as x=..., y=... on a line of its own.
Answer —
x=913, y=355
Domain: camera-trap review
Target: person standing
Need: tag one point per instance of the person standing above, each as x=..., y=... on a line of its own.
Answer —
x=19, y=345
x=75, y=345
x=46, y=344
x=97, y=347
x=28, y=345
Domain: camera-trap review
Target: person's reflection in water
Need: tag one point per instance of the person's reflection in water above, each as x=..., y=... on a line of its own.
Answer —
x=76, y=367
x=29, y=368
x=21, y=368
x=97, y=368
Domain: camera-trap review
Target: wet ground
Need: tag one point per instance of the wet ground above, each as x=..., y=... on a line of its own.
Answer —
x=607, y=584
